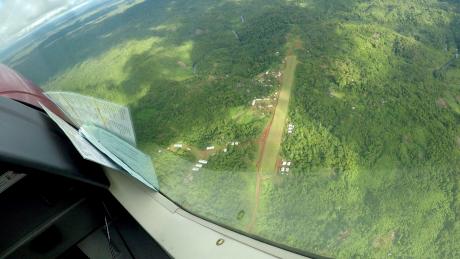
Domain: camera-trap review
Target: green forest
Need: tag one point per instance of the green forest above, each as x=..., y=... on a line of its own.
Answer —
x=375, y=101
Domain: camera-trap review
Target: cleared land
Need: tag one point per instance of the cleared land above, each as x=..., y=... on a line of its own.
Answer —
x=270, y=145
x=273, y=142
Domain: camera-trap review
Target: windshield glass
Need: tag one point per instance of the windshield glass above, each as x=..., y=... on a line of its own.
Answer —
x=331, y=127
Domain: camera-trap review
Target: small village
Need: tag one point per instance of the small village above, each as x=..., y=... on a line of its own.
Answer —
x=199, y=165
x=284, y=167
x=267, y=104
x=291, y=127
x=207, y=152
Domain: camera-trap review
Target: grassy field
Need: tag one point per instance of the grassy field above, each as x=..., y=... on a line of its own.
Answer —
x=275, y=135
x=112, y=69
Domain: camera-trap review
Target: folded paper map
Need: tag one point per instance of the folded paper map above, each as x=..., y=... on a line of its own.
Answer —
x=105, y=134
x=128, y=157
x=83, y=109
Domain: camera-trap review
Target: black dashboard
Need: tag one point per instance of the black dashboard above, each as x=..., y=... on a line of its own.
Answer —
x=55, y=204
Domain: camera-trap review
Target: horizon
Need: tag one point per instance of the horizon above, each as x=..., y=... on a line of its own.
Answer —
x=30, y=16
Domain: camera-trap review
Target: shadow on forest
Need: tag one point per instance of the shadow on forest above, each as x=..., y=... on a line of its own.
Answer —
x=172, y=109
x=210, y=27
x=66, y=48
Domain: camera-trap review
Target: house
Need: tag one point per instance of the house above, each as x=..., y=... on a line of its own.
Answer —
x=199, y=165
x=204, y=162
x=290, y=128
x=210, y=148
x=178, y=145
x=196, y=169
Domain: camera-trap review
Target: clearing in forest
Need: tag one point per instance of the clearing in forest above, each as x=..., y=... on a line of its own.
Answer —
x=272, y=144
x=273, y=134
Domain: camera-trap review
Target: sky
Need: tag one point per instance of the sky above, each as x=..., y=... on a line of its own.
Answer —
x=17, y=17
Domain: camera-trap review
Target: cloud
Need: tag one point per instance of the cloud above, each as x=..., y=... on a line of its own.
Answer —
x=17, y=16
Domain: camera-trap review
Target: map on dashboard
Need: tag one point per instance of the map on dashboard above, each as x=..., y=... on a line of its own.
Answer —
x=132, y=160
x=89, y=110
x=105, y=135
x=83, y=146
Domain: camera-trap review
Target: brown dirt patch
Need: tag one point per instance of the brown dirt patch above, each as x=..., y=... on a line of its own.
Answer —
x=181, y=64
x=384, y=240
x=441, y=103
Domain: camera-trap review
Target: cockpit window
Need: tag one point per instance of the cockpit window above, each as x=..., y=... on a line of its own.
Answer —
x=332, y=127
